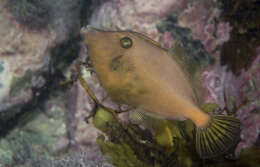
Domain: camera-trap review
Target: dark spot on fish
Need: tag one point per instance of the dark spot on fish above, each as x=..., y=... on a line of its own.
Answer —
x=121, y=65
x=116, y=63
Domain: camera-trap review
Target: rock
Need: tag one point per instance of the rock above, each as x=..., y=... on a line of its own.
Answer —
x=37, y=135
x=39, y=41
x=32, y=34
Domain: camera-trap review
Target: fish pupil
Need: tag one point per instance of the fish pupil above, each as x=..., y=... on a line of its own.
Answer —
x=126, y=42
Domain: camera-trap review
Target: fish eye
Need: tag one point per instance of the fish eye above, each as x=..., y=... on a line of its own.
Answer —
x=126, y=42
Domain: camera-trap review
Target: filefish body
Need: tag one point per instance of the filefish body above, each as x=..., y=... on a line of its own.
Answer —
x=136, y=71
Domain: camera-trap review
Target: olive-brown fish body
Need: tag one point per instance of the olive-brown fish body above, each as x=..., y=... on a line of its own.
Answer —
x=136, y=71
x=143, y=76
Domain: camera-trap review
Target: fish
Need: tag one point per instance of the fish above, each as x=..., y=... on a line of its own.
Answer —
x=135, y=70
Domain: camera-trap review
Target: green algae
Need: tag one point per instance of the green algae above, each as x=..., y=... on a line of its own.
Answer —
x=120, y=154
x=1, y=66
x=18, y=83
x=159, y=143
x=127, y=147
x=209, y=107
x=172, y=142
x=34, y=138
x=249, y=157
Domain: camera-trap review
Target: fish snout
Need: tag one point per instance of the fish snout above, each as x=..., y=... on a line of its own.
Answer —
x=89, y=34
x=88, y=29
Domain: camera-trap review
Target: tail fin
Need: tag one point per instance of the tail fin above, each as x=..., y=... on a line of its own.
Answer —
x=222, y=134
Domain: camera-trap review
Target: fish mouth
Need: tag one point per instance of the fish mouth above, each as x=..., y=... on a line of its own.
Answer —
x=90, y=35
x=88, y=29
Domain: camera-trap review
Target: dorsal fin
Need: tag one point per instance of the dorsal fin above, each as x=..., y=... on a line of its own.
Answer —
x=186, y=61
x=189, y=64
x=148, y=39
x=191, y=68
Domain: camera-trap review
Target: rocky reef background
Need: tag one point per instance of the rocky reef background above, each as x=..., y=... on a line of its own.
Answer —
x=42, y=123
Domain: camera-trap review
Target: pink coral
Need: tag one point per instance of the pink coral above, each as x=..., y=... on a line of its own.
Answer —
x=223, y=32
x=136, y=15
x=243, y=87
x=200, y=19
x=251, y=129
